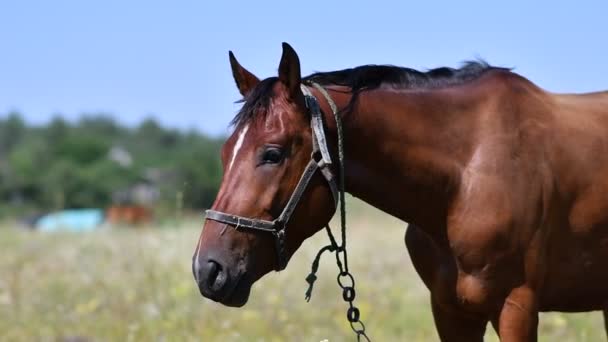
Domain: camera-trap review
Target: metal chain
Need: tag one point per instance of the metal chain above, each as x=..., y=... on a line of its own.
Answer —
x=345, y=279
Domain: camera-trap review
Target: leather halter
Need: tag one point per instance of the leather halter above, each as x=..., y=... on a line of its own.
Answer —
x=320, y=160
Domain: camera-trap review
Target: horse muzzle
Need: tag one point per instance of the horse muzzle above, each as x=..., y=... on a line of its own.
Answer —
x=216, y=281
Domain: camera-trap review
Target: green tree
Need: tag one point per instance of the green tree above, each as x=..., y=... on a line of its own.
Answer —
x=67, y=165
x=12, y=130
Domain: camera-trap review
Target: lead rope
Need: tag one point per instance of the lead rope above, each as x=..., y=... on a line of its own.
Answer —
x=345, y=279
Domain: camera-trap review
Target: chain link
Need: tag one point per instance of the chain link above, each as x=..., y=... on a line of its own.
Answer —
x=346, y=281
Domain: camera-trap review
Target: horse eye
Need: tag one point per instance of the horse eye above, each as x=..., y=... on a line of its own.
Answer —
x=272, y=155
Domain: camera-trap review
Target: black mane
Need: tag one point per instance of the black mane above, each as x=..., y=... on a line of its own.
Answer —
x=367, y=77
x=373, y=76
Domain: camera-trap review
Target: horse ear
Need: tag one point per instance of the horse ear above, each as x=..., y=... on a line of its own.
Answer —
x=245, y=80
x=289, y=69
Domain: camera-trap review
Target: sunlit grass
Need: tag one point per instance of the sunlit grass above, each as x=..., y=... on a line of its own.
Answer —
x=136, y=285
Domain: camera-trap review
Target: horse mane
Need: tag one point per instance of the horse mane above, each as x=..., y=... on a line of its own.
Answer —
x=368, y=77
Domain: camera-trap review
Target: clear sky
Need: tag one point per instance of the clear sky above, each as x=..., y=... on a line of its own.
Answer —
x=169, y=59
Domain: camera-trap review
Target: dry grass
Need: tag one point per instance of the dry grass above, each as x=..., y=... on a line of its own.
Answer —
x=126, y=285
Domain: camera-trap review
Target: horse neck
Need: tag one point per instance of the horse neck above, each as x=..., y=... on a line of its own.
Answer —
x=405, y=150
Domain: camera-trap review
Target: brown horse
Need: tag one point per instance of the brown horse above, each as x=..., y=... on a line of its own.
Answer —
x=128, y=214
x=505, y=186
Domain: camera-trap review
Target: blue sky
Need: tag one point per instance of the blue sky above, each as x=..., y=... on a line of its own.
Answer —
x=169, y=59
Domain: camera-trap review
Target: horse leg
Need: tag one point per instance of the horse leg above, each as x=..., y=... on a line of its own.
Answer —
x=606, y=321
x=451, y=325
x=518, y=319
x=423, y=254
x=455, y=326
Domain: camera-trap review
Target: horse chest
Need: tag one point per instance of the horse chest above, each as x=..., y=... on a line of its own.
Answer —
x=473, y=288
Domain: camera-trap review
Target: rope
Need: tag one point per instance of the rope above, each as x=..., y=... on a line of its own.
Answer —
x=348, y=293
x=340, y=132
x=312, y=276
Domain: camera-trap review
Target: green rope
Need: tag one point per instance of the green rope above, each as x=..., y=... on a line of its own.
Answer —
x=333, y=247
x=340, y=132
x=312, y=276
x=348, y=290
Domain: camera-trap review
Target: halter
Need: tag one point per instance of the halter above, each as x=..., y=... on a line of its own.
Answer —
x=319, y=160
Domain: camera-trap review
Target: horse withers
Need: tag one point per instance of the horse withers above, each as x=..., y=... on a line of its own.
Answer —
x=504, y=185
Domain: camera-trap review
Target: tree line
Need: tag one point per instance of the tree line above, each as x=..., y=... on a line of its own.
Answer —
x=89, y=163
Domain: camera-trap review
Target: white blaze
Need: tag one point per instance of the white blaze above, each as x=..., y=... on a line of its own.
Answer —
x=235, y=150
x=237, y=146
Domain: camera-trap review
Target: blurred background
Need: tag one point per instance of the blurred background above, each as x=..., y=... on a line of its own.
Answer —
x=112, y=115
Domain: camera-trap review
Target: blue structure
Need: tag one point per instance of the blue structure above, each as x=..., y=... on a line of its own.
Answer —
x=75, y=220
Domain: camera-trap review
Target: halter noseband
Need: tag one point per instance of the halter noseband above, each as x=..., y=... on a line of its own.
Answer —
x=319, y=150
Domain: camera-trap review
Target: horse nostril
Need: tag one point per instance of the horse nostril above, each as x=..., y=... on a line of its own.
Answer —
x=213, y=268
x=212, y=278
x=215, y=278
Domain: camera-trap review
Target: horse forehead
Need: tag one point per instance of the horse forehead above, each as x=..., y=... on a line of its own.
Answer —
x=283, y=116
x=281, y=119
x=278, y=120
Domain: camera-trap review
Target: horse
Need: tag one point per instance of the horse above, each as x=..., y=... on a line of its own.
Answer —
x=128, y=214
x=503, y=184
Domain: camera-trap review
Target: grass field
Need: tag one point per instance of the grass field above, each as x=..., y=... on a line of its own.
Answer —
x=136, y=285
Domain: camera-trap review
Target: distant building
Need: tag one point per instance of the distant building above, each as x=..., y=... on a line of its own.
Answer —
x=120, y=156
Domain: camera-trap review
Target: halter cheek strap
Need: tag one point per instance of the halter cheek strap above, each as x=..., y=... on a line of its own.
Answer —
x=319, y=150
